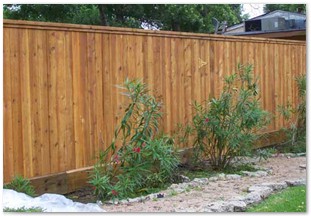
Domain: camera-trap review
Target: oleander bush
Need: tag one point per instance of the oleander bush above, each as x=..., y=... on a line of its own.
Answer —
x=225, y=127
x=138, y=157
x=296, y=116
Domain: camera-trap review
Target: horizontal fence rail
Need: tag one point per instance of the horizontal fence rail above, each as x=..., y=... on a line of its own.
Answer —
x=61, y=103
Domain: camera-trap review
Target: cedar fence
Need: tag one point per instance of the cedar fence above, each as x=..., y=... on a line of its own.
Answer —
x=60, y=99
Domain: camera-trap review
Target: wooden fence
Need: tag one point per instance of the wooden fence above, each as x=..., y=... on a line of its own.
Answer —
x=60, y=97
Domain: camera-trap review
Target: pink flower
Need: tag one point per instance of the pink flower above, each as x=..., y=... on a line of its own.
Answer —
x=136, y=149
x=143, y=145
x=114, y=192
x=116, y=158
x=206, y=120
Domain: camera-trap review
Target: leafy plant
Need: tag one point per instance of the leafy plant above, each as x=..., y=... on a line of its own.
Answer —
x=296, y=115
x=22, y=185
x=226, y=127
x=137, y=158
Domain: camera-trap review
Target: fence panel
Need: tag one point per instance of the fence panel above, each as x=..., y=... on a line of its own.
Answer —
x=61, y=103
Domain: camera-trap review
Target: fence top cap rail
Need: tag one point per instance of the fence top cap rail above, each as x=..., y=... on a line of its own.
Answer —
x=118, y=30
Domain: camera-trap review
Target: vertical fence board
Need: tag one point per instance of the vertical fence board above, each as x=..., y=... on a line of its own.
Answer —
x=167, y=75
x=8, y=141
x=35, y=92
x=188, y=78
x=53, y=92
x=76, y=94
x=26, y=103
x=99, y=93
x=107, y=95
x=69, y=100
x=174, y=99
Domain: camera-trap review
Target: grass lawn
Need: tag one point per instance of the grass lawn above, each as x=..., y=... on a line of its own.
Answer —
x=292, y=199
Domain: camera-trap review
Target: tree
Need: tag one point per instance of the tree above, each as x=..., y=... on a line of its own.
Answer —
x=285, y=7
x=80, y=14
x=174, y=17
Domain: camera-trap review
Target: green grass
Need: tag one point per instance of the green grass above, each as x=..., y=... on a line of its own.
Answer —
x=292, y=199
x=23, y=209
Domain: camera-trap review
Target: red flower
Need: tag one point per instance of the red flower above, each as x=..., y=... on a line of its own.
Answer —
x=206, y=120
x=116, y=158
x=114, y=192
x=136, y=149
x=143, y=145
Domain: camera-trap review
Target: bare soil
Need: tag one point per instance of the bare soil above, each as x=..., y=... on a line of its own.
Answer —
x=283, y=169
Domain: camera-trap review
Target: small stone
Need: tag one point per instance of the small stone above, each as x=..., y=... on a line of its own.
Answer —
x=269, y=171
x=247, y=173
x=137, y=199
x=261, y=173
x=221, y=176
x=233, y=177
x=152, y=196
x=301, y=154
x=303, y=166
x=296, y=182
x=160, y=195
x=275, y=186
x=184, y=178
x=290, y=155
x=263, y=191
x=124, y=202
x=111, y=202
x=238, y=206
x=253, y=197
x=99, y=202
x=202, y=181
x=213, y=179
x=254, y=174
x=220, y=206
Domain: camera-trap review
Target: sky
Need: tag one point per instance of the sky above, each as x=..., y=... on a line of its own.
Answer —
x=253, y=9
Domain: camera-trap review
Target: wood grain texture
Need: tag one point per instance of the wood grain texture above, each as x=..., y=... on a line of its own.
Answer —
x=61, y=104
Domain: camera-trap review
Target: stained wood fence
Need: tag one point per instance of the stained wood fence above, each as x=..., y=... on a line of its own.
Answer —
x=60, y=99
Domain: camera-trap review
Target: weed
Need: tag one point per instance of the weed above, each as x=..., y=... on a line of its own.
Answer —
x=264, y=153
x=22, y=185
x=173, y=193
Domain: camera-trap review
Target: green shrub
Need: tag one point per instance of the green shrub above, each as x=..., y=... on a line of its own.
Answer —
x=143, y=159
x=226, y=127
x=297, y=117
x=22, y=185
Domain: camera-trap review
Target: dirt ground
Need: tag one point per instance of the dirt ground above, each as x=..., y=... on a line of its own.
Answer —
x=283, y=169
